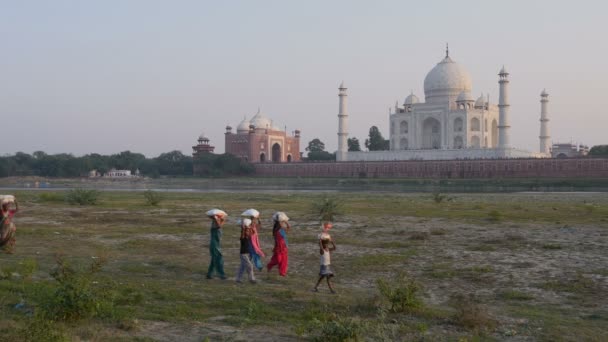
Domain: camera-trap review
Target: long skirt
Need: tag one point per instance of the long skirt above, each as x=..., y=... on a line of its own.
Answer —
x=281, y=259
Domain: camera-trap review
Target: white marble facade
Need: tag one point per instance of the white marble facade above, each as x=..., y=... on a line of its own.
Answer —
x=450, y=118
x=449, y=124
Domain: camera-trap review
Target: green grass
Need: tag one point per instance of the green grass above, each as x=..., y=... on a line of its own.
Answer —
x=157, y=258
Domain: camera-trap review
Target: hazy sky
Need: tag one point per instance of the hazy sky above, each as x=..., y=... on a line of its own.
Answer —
x=150, y=76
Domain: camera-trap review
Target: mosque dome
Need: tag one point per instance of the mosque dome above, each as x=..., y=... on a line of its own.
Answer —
x=446, y=79
x=464, y=97
x=202, y=137
x=261, y=121
x=243, y=126
x=481, y=102
x=411, y=99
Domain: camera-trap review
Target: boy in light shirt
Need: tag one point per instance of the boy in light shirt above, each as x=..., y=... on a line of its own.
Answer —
x=325, y=250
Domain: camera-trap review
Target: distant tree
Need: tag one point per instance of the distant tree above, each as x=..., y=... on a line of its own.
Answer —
x=221, y=165
x=376, y=141
x=353, y=144
x=321, y=155
x=599, y=150
x=174, y=163
x=315, y=145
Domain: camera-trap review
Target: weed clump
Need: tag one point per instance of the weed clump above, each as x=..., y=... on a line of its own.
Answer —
x=472, y=315
x=153, y=197
x=339, y=330
x=420, y=236
x=82, y=197
x=327, y=209
x=439, y=198
x=80, y=294
x=50, y=197
x=402, y=293
x=495, y=216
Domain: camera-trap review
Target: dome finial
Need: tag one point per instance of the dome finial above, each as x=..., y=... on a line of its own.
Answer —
x=447, y=50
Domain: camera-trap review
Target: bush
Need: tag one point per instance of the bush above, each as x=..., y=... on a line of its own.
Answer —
x=472, y=315
x=81, y=294
x=153, y=197
x=40, y=329
x=326, y=209
x=495, y=216
x=339, y=330
x=402, y=293
x=82, y=197
x=51, y=197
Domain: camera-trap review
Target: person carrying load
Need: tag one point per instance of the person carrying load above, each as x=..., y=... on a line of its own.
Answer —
x=8, y=208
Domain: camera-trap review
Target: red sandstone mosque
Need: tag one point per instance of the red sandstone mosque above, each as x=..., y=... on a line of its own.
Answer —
x=259, y=140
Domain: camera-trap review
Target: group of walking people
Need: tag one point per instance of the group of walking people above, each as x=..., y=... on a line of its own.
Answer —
x=251, y=253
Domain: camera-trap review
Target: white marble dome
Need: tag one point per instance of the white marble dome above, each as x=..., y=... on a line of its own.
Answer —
x=243, y=126
x=411, y=99
x=261, y=121
x=465, y=96
x=447, y=78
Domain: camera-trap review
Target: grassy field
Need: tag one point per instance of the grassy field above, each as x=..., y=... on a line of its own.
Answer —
x=461, y=267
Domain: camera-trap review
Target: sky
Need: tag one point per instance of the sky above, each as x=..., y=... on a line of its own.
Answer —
x=150, y=76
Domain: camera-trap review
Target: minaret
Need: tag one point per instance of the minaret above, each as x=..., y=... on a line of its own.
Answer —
x=544, y=123
x=504, y=140
x=341, y=155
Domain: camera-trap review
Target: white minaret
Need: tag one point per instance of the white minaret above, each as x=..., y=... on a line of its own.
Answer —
x=342, y=125
x=504, y=140
x=544, y=123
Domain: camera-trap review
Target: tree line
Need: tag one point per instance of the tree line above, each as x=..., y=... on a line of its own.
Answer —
x=173, y=163
x=374, y=142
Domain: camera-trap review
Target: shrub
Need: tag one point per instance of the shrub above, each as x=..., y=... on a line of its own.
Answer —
x=51, y=197
x=472, y=315
x=41, y=329
x=495, y=216
x=420, y=236
x=339, y=330
x=402, y=293
x=438, y=197
x=82, y=197
x=326, y=209
x=153, y=197
x=81, y=294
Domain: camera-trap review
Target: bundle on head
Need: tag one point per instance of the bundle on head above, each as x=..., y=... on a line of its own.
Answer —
x=216, y=212
x=252, y=213
x=7, y=227
x=327, y=209
x=280, y=216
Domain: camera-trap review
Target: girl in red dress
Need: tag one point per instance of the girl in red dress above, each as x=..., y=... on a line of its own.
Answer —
x=280, y=252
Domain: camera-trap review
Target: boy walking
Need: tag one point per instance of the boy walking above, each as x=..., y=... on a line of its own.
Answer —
x=325, y=250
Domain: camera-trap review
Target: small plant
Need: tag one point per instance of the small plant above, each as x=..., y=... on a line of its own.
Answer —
x=439, y=197
x=339, y=330
x=472, y=315
x=402, y=293
x=421, y=236
x=82, y=197
x=552, y=246
x=495, y=216
x=153, y=197
x=79, y=294
x=326, y=209
x=438, y=231
x=515, y=295
x=41, y=329
x=51, y=197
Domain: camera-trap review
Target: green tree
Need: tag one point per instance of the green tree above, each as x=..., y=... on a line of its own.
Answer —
x=353, y=144
x=376, y=141
x=599, y=150
x=315, y=145
x=321, y=155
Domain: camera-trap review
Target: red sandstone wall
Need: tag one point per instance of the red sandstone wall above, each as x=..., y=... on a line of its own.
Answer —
x=483, y=168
